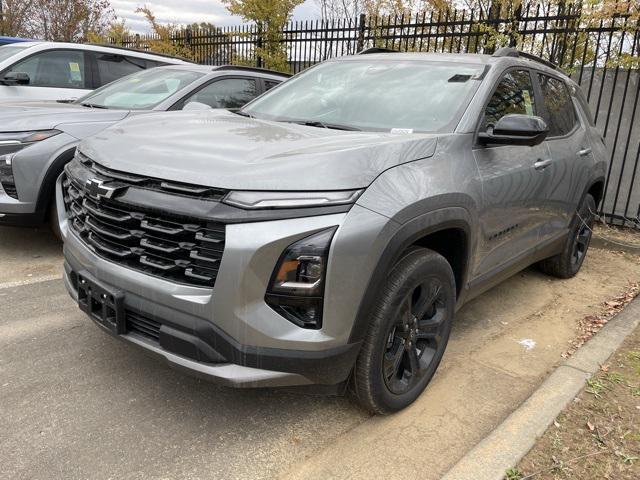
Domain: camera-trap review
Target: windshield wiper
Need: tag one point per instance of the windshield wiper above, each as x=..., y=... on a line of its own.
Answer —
x=319, y=124
x=93, y=105
x=244, y=114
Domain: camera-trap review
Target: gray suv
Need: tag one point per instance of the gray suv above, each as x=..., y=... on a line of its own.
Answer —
x=326, y=233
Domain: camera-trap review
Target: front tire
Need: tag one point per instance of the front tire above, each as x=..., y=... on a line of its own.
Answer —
x=567, y=263
x=408, y=334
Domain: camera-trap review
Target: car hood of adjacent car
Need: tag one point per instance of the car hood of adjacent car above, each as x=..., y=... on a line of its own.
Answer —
x=27, y=116
x=225, y=150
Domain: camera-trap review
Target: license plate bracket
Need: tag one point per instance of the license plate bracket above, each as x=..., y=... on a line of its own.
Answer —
x=103, y=304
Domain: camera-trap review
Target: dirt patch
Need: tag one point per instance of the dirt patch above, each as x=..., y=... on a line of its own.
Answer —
x=598, y=435
x=503, y=345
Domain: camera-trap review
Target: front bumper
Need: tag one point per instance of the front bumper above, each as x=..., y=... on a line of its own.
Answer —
x=228, y=333
x=15, y=212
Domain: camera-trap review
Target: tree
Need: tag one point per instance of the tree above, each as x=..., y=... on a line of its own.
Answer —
x=68, y=20
x=116, y=33
x=270, y=16
x=164, y=42
x=15, y=22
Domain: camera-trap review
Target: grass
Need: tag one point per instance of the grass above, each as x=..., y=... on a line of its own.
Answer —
x=598, y=435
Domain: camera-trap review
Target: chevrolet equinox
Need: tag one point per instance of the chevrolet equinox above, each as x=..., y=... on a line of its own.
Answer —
x=326, y=233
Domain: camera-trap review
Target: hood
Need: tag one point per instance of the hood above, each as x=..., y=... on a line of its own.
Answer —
x=24, y=116
x=225, y=150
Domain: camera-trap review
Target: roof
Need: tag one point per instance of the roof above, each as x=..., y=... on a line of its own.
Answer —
x=15, y=39
x=217, y=68
x=469, y=58
x=102, y=48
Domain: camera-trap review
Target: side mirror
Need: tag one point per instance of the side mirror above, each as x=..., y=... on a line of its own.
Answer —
x=16, y=78
x=516, y=129
x=194, y=106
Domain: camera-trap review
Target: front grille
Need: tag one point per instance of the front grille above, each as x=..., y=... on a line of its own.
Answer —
x=143, y=326
x=173, y=247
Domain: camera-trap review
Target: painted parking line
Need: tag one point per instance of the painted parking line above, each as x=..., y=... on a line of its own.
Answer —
x=30, y=280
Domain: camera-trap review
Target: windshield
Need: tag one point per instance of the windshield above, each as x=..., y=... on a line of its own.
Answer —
x=140, y=91
x=373, y=95
x=9, y=51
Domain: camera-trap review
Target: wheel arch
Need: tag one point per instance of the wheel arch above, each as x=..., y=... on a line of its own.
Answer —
x=446, y=231
x=48, y=184
x=596, y=190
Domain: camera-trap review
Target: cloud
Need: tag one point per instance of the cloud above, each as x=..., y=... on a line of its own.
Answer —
x=191, y=11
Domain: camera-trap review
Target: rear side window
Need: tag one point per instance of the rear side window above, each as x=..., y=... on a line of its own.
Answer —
x=112, y=67
x=560, y=114
x=269, y=84
x=514, y=94
x=226, y=93
x=54, y=68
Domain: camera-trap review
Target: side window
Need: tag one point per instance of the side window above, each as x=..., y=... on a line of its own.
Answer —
x=514, y=94
x=269, y=84
x=54, y=68
x=153, y=63
x=560, y=115
x=112, y=67
x=226, y=93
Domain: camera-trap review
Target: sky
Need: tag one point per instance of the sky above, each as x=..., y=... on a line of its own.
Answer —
x=192, y=11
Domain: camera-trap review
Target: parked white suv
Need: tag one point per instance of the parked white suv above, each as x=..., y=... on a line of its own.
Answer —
x=66, y=71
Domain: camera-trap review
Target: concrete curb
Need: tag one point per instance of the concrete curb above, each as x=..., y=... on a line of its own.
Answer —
x=515, y=436
x=603, y=243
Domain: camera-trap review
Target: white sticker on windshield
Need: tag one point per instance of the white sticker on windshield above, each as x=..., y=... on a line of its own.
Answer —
x=402, y=131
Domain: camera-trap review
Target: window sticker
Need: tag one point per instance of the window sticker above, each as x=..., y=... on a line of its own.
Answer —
x=76, y=75
x=401, y=131
x=527, y=103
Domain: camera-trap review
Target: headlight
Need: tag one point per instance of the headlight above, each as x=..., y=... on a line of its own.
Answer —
x=296, y=289
x=11, y=142
x=263, y=200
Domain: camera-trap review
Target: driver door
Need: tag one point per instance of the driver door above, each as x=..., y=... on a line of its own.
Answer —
x=53, y=75
x=515, y=185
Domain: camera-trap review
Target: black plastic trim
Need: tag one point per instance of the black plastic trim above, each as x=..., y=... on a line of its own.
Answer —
x=216, y=211
x=410, y=232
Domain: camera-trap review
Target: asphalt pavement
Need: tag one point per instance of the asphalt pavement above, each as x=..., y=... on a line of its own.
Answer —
x=76, y=403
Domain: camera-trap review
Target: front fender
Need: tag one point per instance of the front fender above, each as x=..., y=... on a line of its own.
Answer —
x=406, y=235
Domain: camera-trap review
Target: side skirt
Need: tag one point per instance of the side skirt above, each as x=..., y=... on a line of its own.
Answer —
x=488, y=280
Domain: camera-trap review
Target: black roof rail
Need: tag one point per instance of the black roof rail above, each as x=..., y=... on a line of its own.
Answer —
x=377, y=50
x=512, y=52
x=244, y=68
x=139, y=50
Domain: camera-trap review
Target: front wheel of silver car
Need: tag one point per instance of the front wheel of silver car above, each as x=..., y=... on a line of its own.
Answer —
x=408, y=333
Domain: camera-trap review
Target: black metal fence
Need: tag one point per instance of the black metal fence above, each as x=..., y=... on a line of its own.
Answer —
x=601, y=53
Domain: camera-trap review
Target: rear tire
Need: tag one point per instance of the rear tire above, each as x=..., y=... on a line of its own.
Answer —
x=567, y=263
x=409, y=330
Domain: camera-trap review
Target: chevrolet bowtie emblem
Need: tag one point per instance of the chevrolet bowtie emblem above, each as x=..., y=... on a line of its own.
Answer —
x=97, y=189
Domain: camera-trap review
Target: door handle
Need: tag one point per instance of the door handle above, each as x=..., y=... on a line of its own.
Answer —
x=584, y=152
x=542, y=164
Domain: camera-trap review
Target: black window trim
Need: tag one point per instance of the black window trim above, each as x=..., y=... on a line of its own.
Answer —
x=96, y=79
x=88, y=69
x=577, y=122
x=494, y=87
x=179, y=104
